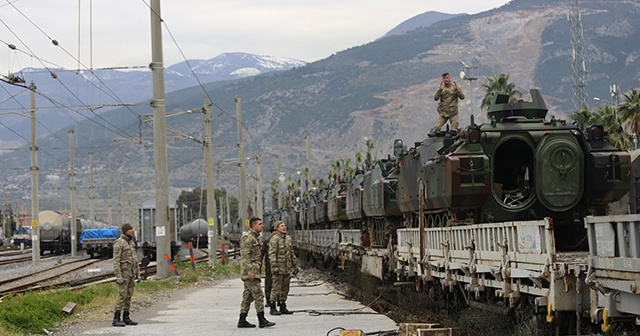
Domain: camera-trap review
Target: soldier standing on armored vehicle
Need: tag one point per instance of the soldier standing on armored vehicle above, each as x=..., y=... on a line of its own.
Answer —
x=250, y=256
x=448, y=95
x=283, y=265
x=126, y=269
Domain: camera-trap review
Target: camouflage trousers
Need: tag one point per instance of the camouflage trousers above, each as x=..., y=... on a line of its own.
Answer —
x=280, y=289
x=252, y=293
x=441, y=120
x=125, y=292
x=268, y=283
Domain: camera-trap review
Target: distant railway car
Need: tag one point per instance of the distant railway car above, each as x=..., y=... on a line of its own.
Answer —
x=99, y=242
x=233, y=232
x=195, y=232
x=21, y=236
x=149, y=230
x=55, y=231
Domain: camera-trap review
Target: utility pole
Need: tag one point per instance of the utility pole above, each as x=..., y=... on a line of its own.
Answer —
x=259, y=203
x=211, y=192
x=308, y=173
x=109, y=217
x=227, y=209
x=242, y=211
x=163, y=231
x=121, y=204
x=35, y=202
x=222, y=219
x=5, y=215
x=72, y=188
x=280, y=180
x=469, y=77
x=92, y=196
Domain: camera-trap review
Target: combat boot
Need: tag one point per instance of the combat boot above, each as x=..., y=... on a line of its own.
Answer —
x=284, y=310
x=273, y=310
x=242, y=322
x=263, y=323
x=268, y=304
x=127, y=320
x=116, y=320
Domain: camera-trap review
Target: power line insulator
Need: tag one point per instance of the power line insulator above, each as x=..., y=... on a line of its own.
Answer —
x=55, y=42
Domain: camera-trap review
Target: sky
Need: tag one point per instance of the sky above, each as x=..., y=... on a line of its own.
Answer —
x=116, y=33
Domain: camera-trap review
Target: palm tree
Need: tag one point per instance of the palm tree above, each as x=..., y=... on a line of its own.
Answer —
x=606, y=116
x=630, y=111
x=583, y=116
x=368, y=158
x=499, y=84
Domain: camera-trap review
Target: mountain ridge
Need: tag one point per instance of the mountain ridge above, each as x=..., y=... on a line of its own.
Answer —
x=381, y=90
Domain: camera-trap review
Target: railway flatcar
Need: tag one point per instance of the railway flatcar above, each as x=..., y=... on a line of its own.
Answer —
x=508, y=214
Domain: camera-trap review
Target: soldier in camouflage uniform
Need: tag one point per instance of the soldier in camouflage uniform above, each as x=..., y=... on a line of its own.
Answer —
x=283, y=265
x=127, y=270
x=448, y=95
x=268, y=277
x=250, y=261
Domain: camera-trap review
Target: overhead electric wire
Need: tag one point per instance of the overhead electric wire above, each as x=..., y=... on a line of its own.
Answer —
x=56, y=43
x=222, y=111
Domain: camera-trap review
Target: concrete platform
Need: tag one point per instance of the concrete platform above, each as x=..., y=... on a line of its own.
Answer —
x=214, y=311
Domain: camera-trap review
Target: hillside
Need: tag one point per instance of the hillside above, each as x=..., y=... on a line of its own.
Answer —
x=381, y=90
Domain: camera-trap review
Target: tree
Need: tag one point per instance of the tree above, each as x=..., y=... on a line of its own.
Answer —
x=368, y=162
x=499, y=84
x=605, y=116
x=196, y=201
x=630, y=111
x=583, y=116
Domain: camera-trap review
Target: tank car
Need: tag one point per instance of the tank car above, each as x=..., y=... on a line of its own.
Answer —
x=195, y=232
x=55, y=231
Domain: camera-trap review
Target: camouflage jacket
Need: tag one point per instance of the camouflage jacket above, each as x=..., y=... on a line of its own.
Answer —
x=125, y=260
x=448, y=97
x=250, y=255
x=283, y=261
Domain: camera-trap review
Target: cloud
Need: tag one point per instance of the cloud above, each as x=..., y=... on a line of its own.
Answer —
x=120, y=31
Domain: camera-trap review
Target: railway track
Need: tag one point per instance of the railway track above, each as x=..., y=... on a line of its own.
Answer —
x=49, y=278
x=34, y=280
x=17, y=257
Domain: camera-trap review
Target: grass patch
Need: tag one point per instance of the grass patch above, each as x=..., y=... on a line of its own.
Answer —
x=33, y=312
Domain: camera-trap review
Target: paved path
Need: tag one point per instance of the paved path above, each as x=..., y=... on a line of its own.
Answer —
x=215, y=310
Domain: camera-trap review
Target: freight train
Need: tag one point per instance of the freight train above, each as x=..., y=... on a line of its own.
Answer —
x=55, y=231
x=508, y=214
